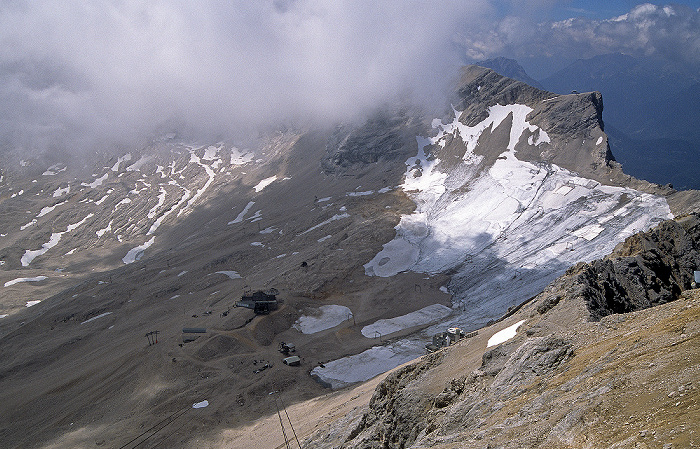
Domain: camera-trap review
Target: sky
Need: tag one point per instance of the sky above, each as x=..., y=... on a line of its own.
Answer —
x=87, y=75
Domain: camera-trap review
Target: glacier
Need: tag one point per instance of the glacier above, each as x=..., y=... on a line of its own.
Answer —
x=503, y=233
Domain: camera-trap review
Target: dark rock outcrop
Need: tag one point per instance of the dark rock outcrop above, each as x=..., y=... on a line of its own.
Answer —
x=647, y=269
x=386, y=135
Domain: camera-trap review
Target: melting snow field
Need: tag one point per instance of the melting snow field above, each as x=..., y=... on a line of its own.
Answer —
x=96, y=317
x=372, y=362
x=426, y=315
x=329, y=316
x=30, y=255
x=264, y=183
x=505, y=232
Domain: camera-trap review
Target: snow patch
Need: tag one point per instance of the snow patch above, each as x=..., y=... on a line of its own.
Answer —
x=136, y=166
x=325, y=222
x=54, y=170
x=96, y=317
x=240, y=216
x=136, y=253
x=125, y=158
x=210, y=153
x=264, y=183
x=239, y=157
x=504, y=335
x=231, y=274
x=18, y=280
x=102, y=232
x=329, y=316
x=48, y=209
x=97, y=182
x=61, y=191
x=30, y=255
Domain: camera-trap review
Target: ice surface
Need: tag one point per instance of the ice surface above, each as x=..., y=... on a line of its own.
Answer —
x=18, y=280
x=426, y=315
x=364, y=366
x=504, y=335
x=33, y=303
x=202, y=404
x=329, y=316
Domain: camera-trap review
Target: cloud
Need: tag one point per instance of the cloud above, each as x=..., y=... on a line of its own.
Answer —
x=87, y=74
x=91, y=73
x=671, y=33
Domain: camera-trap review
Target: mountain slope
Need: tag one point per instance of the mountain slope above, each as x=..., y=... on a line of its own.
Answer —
x=375, y=235
x=561, y=380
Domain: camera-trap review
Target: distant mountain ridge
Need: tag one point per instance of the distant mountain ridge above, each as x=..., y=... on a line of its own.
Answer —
x=510, y=68
x=645, y=101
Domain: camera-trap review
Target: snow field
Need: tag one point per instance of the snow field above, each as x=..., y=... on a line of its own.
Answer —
x=426, y=315
x=506, y=233
x=30, y=255
x=328, y=317
x=365, y=365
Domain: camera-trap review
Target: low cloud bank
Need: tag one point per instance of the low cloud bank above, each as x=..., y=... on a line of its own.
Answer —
x=87, y=75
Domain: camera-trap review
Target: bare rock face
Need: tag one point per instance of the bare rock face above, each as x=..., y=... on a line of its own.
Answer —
x=396, y=412
x=646, y=270
x=386, y=135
